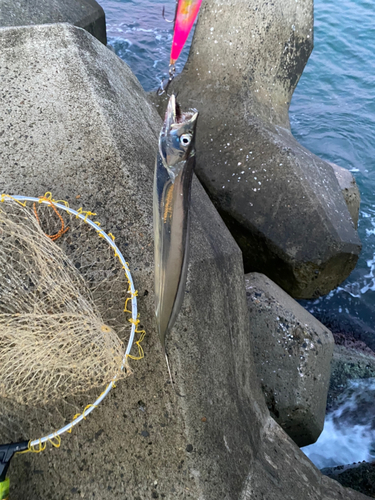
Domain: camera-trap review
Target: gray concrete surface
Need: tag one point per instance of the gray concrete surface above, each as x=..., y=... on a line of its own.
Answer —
x=292, y=355
x=282, y=204
x=87, y=14
x=76, y=121
x=349, y=190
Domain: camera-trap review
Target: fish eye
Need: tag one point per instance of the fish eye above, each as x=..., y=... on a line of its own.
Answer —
x=185, y=139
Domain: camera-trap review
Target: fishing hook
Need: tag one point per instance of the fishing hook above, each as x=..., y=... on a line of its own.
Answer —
x=164, y=86
x=165, y=19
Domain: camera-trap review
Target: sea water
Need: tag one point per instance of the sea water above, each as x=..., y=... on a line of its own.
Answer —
x=349, y=431
x=142, y=37
x=332, y=113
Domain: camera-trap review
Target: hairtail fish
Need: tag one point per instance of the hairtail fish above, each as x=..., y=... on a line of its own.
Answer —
x=186, y=14
x=172, y=190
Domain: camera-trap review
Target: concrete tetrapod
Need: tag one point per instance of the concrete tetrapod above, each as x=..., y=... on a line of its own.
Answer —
x=282, y=204
x=77, y=122
x=292, y=354
x=86, y=14
x=349, y=190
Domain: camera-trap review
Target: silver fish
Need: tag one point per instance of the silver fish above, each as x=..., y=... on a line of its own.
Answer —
x=172, y=189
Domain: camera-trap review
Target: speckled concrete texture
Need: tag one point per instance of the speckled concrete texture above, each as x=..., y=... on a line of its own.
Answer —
x=282, y=204
x=292, y=354
x=86, y=14
x=349, y=190
x=74, y=120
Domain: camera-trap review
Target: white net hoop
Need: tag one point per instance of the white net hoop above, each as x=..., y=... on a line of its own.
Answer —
x=37, y=445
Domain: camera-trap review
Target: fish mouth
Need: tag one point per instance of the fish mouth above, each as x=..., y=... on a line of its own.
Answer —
x=176, y=124
x=174, y=116
x=183, y=116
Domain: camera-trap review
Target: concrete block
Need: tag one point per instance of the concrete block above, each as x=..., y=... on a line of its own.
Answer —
x=349, y=190
x=292, y=354
x=282, y=204
x=86, y=14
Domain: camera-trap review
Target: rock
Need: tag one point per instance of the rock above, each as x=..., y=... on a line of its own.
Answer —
x=78, y=123
x=347, y=364
x=282, y=204
x=86, y=14
x=282, y=472
x=360, y=477
x=348, y=429
x=349, y=190
x=348, y=329
x=292, y=354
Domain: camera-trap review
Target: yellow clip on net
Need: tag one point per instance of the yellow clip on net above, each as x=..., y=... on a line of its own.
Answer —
x=60, y=299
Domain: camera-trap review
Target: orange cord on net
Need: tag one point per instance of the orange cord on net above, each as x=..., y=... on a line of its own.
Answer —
x=62, y=230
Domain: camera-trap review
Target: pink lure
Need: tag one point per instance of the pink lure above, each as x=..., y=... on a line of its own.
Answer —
x=187, y=11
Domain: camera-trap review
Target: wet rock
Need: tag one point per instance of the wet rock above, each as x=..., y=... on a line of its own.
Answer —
x=348, y=434
x=360, y=477
x=347, y=364
x=349, y=190
x=348, y=329
x=282, y=204
x=350, y=342
x=86, y=14
x=292, y=354
x=88, y=131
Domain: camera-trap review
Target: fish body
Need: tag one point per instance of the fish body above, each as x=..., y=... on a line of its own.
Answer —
x=186, y=14
x=172, y=191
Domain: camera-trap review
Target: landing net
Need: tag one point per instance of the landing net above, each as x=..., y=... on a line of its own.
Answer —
x=68, y=315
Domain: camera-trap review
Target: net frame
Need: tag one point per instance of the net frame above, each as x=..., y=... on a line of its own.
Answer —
x=54, y=437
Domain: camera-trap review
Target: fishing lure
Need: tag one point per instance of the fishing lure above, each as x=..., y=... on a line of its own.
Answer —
x=185, y=16
x=174, y=167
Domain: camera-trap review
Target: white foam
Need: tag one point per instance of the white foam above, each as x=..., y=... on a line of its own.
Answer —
x=349, y=434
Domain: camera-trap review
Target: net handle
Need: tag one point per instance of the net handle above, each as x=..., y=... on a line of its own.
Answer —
x=67, y=428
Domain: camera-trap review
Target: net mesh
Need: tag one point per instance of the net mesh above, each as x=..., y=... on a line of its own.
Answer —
x=58, y=337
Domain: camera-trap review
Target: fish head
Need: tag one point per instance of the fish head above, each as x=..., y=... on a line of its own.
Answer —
x=177, y=137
